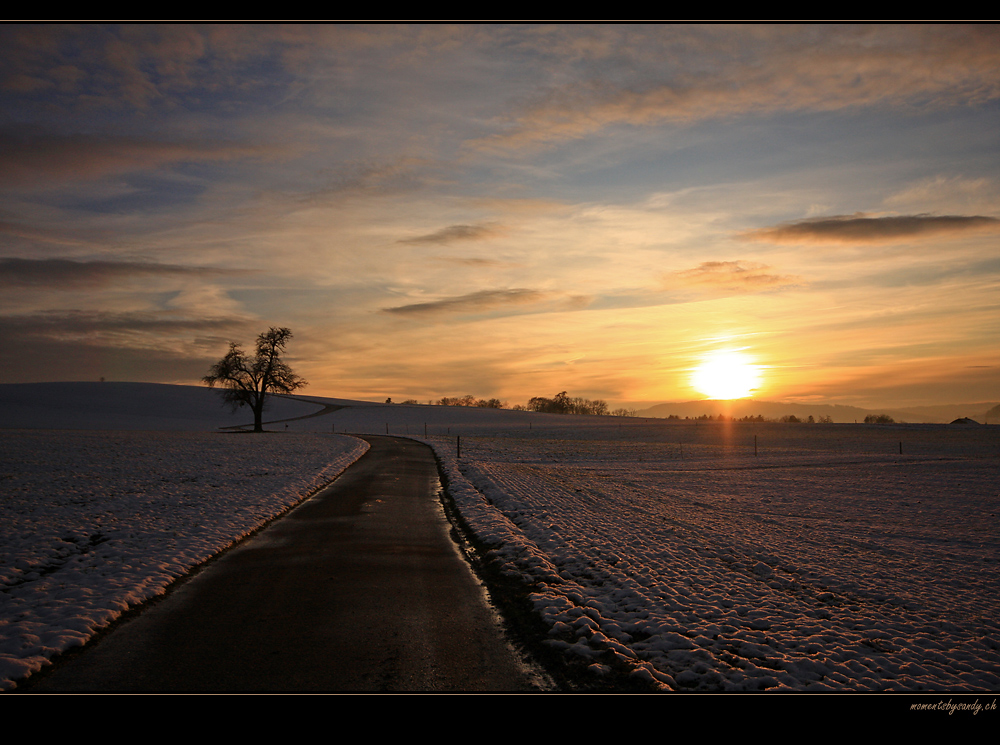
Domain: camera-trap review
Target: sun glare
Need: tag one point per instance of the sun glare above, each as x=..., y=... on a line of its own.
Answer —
x=726, y=374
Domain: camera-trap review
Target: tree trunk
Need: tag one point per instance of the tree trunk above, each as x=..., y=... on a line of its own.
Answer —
x=258, y=414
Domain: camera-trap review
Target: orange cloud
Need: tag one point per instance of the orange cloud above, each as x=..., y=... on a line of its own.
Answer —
x=454, y=233
x=735, y=276
x=474, y=261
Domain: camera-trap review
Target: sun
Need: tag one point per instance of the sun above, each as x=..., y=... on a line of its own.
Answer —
x=726, y=374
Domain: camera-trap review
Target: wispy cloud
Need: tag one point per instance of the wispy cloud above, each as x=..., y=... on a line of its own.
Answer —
x=735, y=276
x=712, y=72
x=76, y=323
x=454, y=233
x=860, y=228
x=56, y=273
x=474, y=261
x=373, y=177
x=133, y=66
x=44, y=235
x=40, y=159
x=475, y=302
x=123, y=346
x=945, y=195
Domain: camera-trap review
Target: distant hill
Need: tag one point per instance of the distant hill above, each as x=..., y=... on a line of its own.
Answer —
x=841, y=414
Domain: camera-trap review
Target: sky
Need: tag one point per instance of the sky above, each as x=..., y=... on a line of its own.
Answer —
x=507, y=210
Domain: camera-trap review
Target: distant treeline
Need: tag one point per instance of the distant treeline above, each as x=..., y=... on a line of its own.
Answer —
x=470, y=400
x=482, y=403
x=789, y=418
x=879, y=419
x=561, y=403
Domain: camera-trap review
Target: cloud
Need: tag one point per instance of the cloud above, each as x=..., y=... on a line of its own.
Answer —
x=79, y=345
x=861, y=229
x=121, y=346
x=945, y=195
x=76, y=323
x=454, y=233
x=35, y=235
x=39, y=360
x=736, y=276
x=474, y=261
x=64, y=273
x=34, y=159
x=373, y=177
x=475, y=302
x=713, y=72
x=132, y=65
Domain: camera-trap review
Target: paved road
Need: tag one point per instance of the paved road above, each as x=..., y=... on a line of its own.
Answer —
x=359, y=589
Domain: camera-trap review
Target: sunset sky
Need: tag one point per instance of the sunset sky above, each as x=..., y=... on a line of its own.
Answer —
x=507, y=211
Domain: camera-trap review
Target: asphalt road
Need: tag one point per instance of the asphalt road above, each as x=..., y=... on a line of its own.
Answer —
x=359, y=589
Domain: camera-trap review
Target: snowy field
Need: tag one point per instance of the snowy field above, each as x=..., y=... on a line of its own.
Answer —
x=93, y=522
x=828, y=561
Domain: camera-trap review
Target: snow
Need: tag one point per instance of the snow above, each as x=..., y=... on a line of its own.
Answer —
x=826, y=562
x=93, y=522
x=832, y=568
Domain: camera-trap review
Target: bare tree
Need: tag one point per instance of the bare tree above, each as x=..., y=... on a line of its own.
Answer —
x=248, y=381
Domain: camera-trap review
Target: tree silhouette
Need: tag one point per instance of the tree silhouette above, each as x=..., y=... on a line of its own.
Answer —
x=248, y=381
x=561, y=403
x=879, y=419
